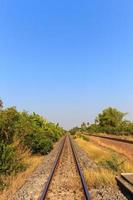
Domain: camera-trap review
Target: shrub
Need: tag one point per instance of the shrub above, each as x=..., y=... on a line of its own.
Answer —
x=38, y=143
x=8, y=119
x=9, y=161
x=85, y=138
x=113, y=163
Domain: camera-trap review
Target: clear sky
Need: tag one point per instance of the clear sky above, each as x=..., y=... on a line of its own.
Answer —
x=67, y=60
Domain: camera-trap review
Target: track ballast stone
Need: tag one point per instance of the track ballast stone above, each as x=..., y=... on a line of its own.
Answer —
x=66, y=183
x=102, y=193
x=34, y=184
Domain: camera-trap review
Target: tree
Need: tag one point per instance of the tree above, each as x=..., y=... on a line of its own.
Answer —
x=74, y=130
x=83, y=126
x=88, y=124
x=110, y=117
x=126, y=127
x=8, y=119
x=1, y=104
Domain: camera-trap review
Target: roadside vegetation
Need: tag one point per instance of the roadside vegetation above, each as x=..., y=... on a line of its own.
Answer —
x=109, y=121
x=24, y=137
x=105, y=153
x=109, y=164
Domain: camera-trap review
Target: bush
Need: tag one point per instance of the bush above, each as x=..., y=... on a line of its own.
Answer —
x=8, y=119
x=85, y=138
x=21, y=131
x=9, y=161
x=38, y=143
x=113, y=163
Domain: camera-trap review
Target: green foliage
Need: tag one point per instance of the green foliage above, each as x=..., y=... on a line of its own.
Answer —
x=8, y=119
x=110, y=121
x=54, y=132
x=94, y=128
x=110, y=117
x=28, y=124
x=9, y=161
x=125, y=127
x=1, y=104
x=113, y=163
x=38, y=143
x=83, y=126
x=84, y=137
x=28, y=130
x=74, y=130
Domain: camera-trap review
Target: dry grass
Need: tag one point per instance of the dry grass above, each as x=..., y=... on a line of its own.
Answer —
x=123, y=148
x=99, y=177
x=94, y=152
x=15, y=182
x=105, y=173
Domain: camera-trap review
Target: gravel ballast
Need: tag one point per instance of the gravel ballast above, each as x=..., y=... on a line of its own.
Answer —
x=102, y=193
x=34, y=184
x=66, y=183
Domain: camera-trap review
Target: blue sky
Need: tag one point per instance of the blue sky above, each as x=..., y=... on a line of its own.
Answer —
x=67, y=60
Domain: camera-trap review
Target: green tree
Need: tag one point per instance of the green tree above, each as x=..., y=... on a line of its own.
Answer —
x=83, y=126
x=109, y=120
x=110, y=117
x=38, y=143
x=1, y=104
x=8, y=119
x=74, y=130
x=9, y=160
x=126, y=127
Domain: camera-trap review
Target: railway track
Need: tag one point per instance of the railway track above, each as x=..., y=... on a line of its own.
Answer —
x=66, y=180
x=115, y=139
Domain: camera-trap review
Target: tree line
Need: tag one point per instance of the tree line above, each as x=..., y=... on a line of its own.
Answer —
x=22, y=131
x=110, y=121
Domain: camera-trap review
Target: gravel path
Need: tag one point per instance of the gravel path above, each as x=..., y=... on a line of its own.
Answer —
x=33, y=186
x=102, y=193
x=66, y=183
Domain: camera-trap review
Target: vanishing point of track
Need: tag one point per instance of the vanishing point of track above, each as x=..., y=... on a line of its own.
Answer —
x=66, y=180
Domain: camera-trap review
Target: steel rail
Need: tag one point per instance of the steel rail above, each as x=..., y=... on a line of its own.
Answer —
x=86, y=192
x=46, y=188
x=44, y=193
x=116, y=139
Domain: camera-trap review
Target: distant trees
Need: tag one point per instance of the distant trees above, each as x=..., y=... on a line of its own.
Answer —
x=74, y=130
x=110, y=117
x=83, y=126
x=1, y=104
x=110, y=120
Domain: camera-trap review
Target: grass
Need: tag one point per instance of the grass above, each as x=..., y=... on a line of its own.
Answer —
x=123, y=148
x=13, y=183
x=94, y=151
x=122, y=136
x=99, y=177
x=109, y=162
